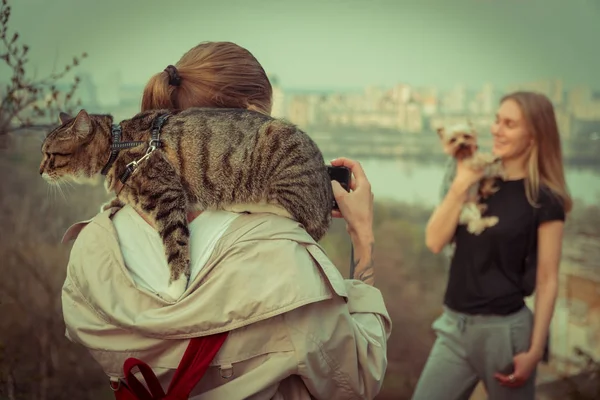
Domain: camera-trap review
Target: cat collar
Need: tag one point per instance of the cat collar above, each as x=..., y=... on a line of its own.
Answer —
x=117, y=145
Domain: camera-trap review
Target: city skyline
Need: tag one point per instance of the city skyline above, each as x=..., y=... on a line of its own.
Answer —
x=402, y=107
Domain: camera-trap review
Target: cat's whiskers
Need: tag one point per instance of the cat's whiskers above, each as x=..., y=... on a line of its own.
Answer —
x=59, y=191
x=55, y=188
x=47, y=192
x=70, y=183
x=63, y=188
x=52, y=192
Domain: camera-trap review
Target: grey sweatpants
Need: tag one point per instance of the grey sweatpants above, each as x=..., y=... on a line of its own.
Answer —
x=470, y=348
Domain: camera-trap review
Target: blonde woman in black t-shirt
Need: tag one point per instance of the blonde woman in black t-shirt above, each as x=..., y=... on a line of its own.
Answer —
x=486, y=332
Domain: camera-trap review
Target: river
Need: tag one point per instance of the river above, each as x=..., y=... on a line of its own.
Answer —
x=412, y=182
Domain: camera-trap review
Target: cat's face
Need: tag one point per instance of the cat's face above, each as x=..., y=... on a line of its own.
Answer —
x=66, y=150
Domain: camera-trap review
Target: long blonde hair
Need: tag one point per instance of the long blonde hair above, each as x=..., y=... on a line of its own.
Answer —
x=545, y=164
x=213, y=74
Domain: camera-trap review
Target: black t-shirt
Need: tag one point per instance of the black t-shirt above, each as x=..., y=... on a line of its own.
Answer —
x=491, y=273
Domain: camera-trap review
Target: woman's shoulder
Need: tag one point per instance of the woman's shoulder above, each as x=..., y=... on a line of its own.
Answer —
x=260, y=226
x=268, y=242
x=550, y=205
x=547, y=197
x=100, y=223
x=126, y=218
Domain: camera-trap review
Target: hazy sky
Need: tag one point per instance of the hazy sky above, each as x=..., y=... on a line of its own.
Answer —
x=333, y=44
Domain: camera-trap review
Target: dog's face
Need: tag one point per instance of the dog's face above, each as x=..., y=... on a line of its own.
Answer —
x=459, y=141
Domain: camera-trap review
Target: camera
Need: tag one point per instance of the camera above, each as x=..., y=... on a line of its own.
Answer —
x=342, y=176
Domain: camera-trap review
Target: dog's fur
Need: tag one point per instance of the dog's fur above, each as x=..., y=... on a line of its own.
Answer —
x=460, y=143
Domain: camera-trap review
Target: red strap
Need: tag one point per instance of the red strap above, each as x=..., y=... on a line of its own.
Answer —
x=121, y=392
x=194, y=364
x=196, y=359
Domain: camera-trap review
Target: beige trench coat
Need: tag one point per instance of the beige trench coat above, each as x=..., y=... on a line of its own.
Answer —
x=298, y=330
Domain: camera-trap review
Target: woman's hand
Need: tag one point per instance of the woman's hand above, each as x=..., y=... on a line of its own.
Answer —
x=466, y=176
x=356, y=207
x=441, y=227
x=524, y=365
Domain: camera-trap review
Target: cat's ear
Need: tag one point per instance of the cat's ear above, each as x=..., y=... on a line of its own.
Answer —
x=83, y=124
x=64, y=117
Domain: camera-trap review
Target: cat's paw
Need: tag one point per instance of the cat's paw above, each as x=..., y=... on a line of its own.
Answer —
x=175, y=289
x=114, y=203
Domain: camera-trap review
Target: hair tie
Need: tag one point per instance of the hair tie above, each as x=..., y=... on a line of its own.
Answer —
x=174, y=78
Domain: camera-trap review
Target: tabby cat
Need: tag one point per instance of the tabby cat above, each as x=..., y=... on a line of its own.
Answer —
x=200, y=159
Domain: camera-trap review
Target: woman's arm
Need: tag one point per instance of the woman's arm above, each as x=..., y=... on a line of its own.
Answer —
x=549, y=252
x=442, y=223
x=356, y=207
x=341, y=346
x=362, y=263
x=550, y=235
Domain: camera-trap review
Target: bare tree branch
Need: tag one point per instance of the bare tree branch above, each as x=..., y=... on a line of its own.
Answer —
x=27, y=99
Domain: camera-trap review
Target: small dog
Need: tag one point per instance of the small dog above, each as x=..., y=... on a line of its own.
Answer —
x=460, y=142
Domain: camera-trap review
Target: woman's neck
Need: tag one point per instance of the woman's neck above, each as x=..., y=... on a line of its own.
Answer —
x=514, y=169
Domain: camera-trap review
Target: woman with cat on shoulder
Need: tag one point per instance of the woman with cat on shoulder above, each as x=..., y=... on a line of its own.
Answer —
x=486, y=332
x=295, y=328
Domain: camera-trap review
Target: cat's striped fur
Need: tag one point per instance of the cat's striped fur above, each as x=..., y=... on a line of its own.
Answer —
x=210, y=159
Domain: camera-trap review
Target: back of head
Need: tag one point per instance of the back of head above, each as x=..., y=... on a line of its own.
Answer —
x=545, y=161
x=212, y=74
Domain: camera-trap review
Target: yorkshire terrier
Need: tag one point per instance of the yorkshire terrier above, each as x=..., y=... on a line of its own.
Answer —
x=460, y=142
